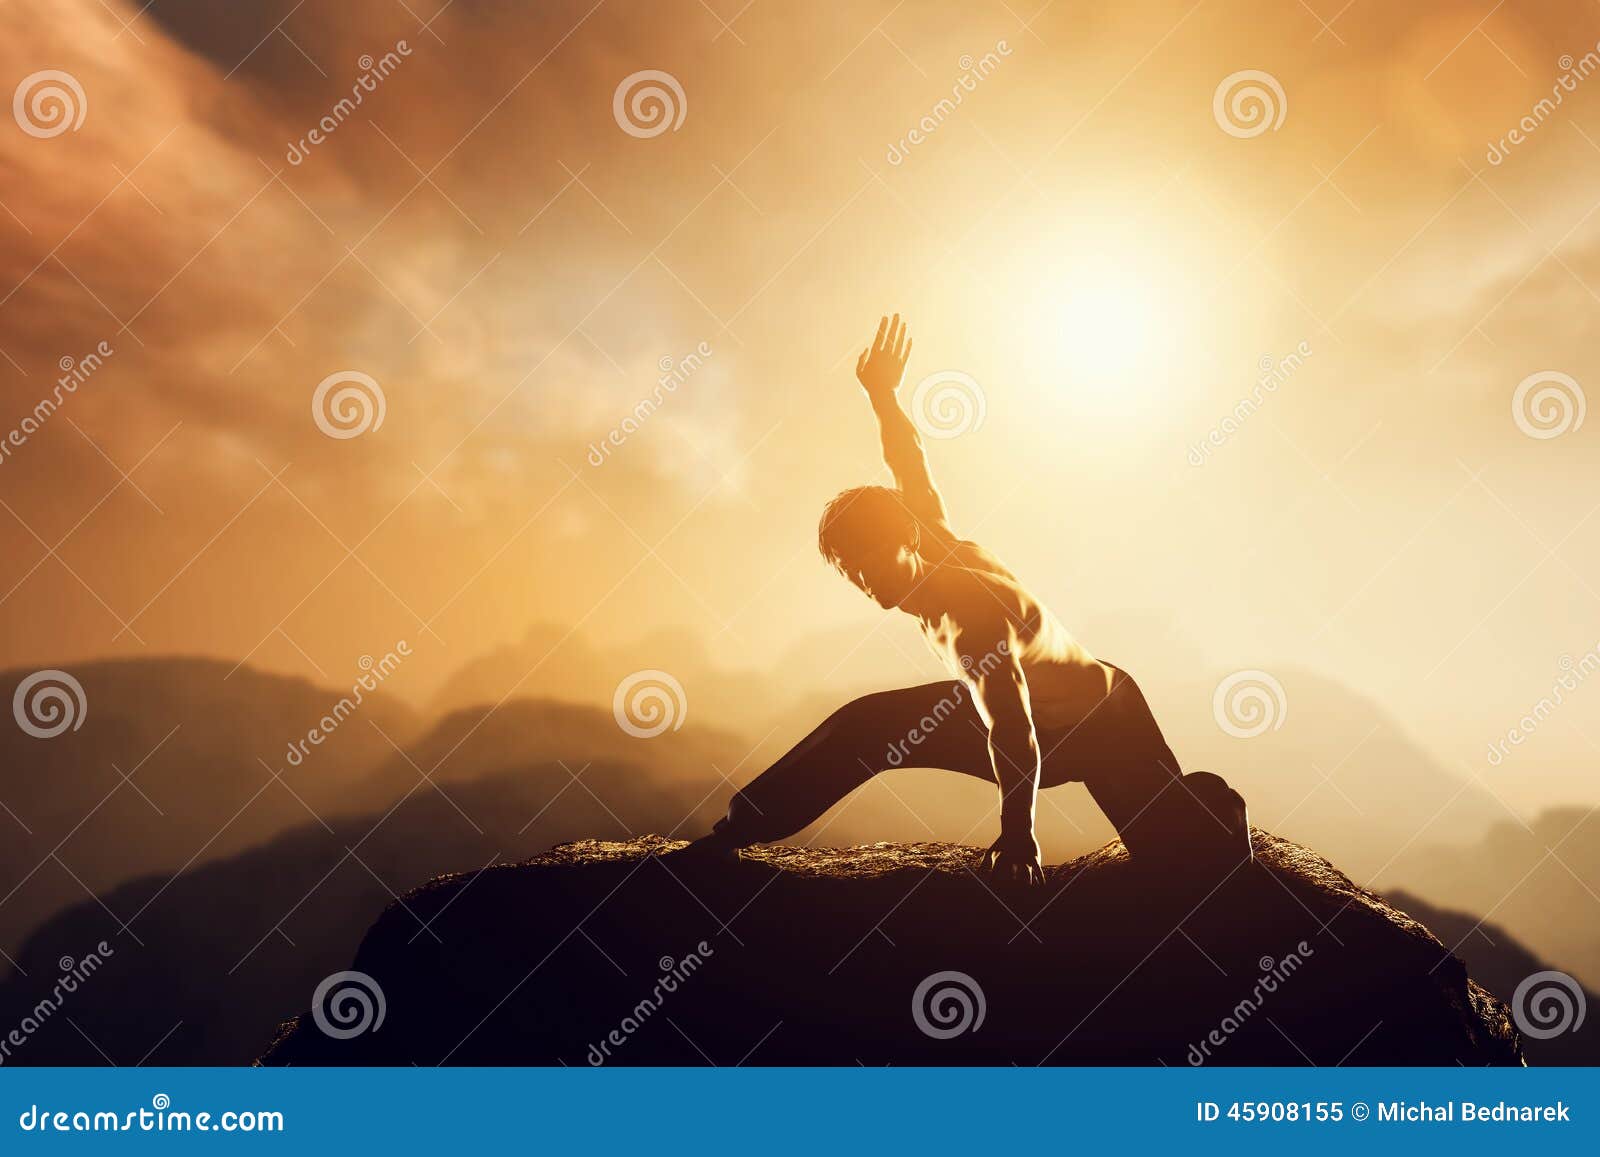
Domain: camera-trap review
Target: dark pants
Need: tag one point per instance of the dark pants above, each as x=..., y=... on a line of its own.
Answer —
x=1116, y=751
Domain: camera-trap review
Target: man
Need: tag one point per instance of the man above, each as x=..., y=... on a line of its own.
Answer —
x=1027, y=707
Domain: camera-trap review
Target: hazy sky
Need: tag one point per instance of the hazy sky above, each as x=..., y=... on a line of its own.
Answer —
x=1082, y=236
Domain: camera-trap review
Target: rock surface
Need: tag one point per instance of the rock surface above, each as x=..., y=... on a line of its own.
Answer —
x=602, y=953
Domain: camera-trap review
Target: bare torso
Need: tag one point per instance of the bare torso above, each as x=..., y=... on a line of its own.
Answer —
x=988, y=612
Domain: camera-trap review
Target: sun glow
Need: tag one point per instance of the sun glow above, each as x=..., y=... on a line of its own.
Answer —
x=1100, y=327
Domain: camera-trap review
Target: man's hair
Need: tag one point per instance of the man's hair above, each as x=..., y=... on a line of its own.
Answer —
x=864, y=516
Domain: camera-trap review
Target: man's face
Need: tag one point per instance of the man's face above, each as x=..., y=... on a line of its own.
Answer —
x=885, y=573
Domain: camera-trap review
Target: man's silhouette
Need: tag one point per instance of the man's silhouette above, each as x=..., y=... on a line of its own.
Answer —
x=1027, y=707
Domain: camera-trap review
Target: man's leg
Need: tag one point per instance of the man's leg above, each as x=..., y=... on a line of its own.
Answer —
x=1119, y=753
x=933, y=725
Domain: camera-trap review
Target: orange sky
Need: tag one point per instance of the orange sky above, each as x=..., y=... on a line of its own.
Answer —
x=1081, y=237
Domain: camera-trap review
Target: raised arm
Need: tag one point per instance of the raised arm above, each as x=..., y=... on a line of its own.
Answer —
x=1002, y=690
x=879, y=371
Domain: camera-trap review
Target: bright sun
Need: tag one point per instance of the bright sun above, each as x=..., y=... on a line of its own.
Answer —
x=1098, y=328
x=1099, y=325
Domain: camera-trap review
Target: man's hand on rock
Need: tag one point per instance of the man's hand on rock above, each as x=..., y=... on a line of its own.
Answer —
x=1014, y=860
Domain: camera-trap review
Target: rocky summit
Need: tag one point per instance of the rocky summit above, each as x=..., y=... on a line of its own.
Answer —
x=600, y=953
